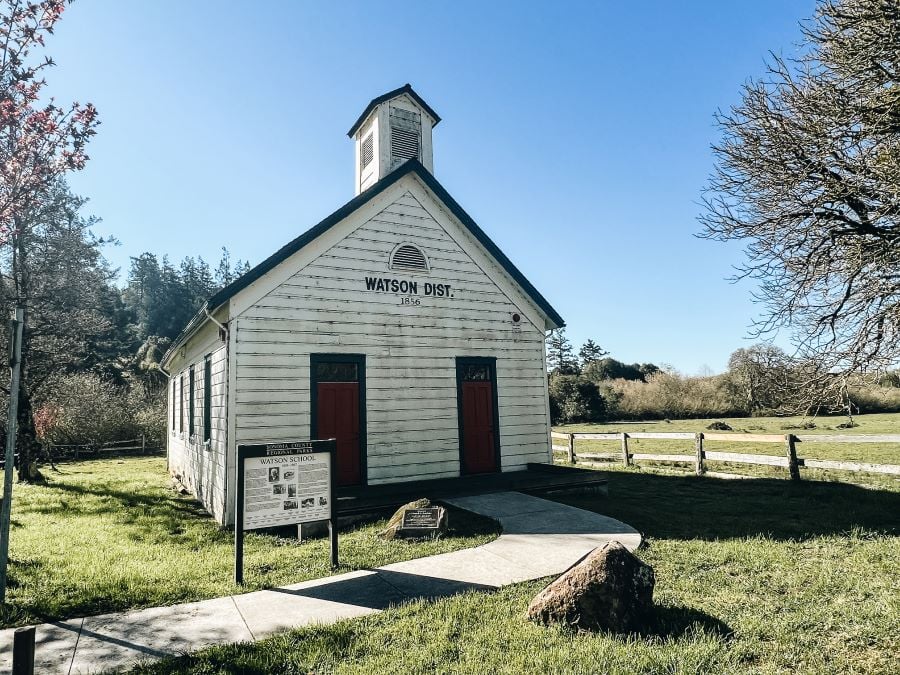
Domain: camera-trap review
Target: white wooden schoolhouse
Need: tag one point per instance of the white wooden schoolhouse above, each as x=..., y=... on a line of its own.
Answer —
x=395, y=325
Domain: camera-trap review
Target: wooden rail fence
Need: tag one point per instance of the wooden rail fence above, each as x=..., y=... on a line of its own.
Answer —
x=54, y=453
x=700, y=455
x=75, y=451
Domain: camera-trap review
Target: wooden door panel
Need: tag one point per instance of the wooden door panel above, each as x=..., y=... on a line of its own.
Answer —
x=337, y=416
x=477, y=412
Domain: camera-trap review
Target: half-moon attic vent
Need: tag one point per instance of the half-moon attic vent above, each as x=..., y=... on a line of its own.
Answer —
x=409, y=257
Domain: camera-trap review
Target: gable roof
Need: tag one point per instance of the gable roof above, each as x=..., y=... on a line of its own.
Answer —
x=410, y=166
x=405, y=89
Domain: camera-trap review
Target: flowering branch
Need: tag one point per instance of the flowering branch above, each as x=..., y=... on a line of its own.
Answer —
x=38, y=142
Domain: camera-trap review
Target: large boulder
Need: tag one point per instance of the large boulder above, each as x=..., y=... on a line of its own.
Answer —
x=610, y=589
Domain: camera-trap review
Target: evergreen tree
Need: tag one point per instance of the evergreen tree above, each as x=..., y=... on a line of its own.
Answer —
x=560, y=353
x=590, y=351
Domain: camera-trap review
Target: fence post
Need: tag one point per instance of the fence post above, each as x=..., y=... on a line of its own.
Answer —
x=571, y=448
x=143, y=444
x=793, y=465
x=698, y=444
x=625, y=456
x=23, y=651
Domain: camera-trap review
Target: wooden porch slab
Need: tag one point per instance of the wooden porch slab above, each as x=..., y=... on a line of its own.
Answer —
x=537, y=479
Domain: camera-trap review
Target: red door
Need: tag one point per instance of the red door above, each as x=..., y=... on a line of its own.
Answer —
x=479, y=450
x=337, y=416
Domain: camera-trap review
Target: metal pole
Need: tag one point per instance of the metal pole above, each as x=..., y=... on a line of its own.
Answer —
x=15, y=362
x=332, y=521
x=239, y=521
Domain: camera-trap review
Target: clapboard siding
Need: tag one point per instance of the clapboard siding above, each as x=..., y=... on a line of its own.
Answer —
x=202, y=469
x=411, y=350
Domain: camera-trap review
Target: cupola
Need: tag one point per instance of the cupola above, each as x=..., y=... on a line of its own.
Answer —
x=394, y=128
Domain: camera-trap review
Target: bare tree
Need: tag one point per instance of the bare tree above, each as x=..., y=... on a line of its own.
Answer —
x=808, y=177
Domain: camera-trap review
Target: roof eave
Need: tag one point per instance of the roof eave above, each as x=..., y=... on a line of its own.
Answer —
x=215, y=302
x=405, y=89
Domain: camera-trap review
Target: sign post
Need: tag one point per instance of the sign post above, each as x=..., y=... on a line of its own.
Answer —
x=284, y=484
x=15, y=364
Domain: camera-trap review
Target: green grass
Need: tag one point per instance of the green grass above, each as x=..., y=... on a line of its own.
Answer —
x=759, y=575
x=110, y=535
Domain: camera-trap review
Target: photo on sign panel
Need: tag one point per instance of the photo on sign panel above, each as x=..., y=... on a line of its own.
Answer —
x=290, y=504
x=289, y=475
x=323, y=501
x=292, y=489
x=278, y=489
x=308, y=502
x=274, y=474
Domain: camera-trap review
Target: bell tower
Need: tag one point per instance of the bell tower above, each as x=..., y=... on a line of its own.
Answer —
x=393, y=128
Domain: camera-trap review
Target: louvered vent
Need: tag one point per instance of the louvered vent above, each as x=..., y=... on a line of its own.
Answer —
x=406, y=132
x=404, y=144
x=366, y=152
x=409, y=257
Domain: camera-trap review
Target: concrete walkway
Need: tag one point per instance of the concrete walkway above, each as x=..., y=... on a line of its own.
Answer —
x=540, y=538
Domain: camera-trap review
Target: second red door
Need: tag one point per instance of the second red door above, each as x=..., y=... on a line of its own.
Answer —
x=478, y=418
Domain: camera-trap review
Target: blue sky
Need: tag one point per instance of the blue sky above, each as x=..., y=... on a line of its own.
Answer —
x=576, y=134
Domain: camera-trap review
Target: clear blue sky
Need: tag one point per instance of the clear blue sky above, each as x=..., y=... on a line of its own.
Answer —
x=576, y=134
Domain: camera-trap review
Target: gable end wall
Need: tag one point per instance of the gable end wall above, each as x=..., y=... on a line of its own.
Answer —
x=411, y=407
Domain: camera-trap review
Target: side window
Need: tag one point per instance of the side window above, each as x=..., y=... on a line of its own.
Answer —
x=181, y=404
x=174, y=401
x=207, y=398
x=191, y=404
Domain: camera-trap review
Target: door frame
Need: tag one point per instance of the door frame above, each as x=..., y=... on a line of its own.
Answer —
x=491, y=362
x=360, y=361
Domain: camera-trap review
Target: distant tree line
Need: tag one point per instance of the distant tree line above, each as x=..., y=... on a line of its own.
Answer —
x=92, y=347
x=760, y=380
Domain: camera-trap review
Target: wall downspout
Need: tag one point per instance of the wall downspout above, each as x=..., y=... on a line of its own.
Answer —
x=226, y=338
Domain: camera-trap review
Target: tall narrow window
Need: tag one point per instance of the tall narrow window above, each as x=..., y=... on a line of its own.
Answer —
x=174, y=402
x=191, y=403
x=181, y=405
x=207, y=398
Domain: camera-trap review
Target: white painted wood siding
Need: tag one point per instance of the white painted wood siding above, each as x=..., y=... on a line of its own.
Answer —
x=411, y=399
x=202, y=468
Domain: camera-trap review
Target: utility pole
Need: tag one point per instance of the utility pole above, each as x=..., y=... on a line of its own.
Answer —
x=15, y=364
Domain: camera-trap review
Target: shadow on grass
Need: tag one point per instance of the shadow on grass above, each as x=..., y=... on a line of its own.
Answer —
x=675, y=622
x=691, y=507
x=174, y=504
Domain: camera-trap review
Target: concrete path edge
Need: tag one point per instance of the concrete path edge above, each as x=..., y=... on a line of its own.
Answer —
x=540, y=538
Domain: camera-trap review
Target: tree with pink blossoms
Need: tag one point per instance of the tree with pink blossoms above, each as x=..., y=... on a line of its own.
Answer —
x=40, y=141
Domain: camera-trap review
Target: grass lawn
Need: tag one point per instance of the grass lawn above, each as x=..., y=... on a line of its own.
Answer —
x=758, y=575
x=887, y=453
x=108, y=535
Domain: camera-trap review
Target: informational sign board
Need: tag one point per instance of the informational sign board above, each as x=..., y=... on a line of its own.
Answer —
x=284, y=484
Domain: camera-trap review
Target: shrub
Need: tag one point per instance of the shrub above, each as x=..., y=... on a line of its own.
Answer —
x=670, y=395
x=875, y=399
x=574, y=399
x=611, y=369
x=890, y=379
x=85, y=409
